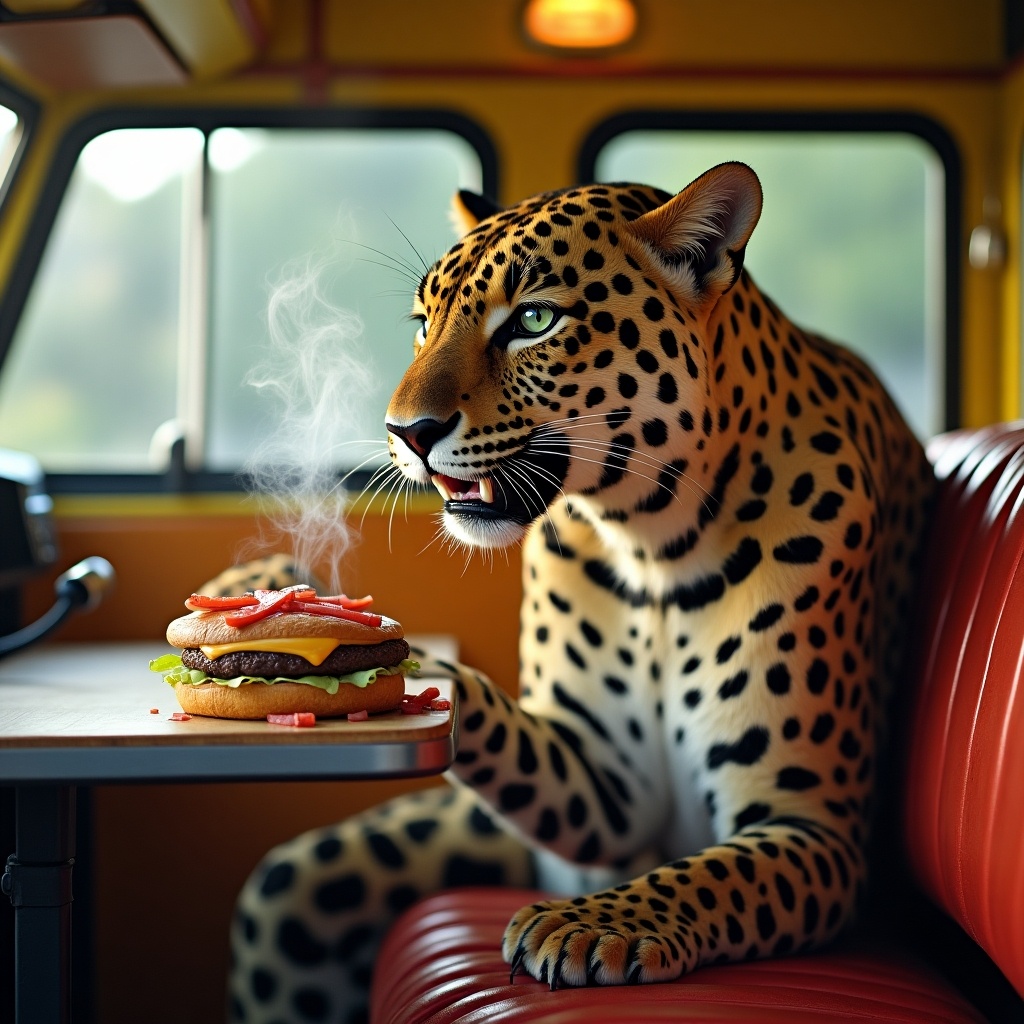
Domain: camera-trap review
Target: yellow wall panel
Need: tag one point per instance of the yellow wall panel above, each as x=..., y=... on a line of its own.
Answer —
x=206, y=34
x=869, y=56
x=1011, y=177
x=686, y=33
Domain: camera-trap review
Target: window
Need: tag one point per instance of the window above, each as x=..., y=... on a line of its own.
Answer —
x=10, y=136
x=850, y=243
x=92, y=371
x=204, y=292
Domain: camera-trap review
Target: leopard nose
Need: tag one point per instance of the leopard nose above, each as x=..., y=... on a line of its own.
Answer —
x=423, y=434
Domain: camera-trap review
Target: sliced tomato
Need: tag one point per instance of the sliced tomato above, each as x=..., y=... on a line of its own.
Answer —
x=180, y=716
x=440, y=704
x=301, y=719
x=359, y=716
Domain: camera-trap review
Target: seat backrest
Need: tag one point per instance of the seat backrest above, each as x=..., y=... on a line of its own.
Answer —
x=964, y=797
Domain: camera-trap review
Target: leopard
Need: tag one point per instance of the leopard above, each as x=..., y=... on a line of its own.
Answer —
x=721, y=517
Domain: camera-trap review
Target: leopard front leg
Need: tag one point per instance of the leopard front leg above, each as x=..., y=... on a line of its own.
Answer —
x=784, y=886
x=312, y=914
x=573, y=792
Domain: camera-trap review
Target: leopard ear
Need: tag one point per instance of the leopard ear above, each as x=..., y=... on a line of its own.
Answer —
x=701, y=234
x=468, y=209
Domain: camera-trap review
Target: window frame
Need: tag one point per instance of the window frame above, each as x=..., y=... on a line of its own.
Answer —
x=179, y=478
x=28, y=111
x=852, y=122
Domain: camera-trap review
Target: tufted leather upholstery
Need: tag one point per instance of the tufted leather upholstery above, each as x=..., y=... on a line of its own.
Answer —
x=441, y=964
x=962, y=819
x=964, y=806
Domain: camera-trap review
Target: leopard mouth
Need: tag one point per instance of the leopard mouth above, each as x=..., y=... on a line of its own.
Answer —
x=519, y=489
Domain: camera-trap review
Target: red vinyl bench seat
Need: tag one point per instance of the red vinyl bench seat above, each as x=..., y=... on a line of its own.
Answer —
x=962, y=825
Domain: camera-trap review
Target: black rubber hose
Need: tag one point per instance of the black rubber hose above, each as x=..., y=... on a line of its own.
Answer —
x=82, y=586
x=65, y=604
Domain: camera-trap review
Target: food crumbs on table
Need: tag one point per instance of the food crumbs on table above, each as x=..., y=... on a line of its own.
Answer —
x=420, y=703
x=180, y=716
x=154, y=711
x=359, y=716
x=301, y=719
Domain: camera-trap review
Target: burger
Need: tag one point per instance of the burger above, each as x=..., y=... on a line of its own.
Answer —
x=285, y=652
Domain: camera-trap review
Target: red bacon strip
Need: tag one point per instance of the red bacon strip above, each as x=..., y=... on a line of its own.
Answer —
x=250, y=608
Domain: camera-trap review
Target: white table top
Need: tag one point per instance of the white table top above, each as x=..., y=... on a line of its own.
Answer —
x=81, y=713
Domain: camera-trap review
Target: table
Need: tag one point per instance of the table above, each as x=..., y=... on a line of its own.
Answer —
x=73, y=714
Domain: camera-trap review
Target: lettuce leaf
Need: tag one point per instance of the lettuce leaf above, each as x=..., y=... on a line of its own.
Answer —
x=175, y=672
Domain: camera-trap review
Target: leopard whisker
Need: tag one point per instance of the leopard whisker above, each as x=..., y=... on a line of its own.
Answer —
x=526, y=466
x=439, y=535
x=596, y=462
x=596, y=444
x=685, y=479
x=359, y=465
x=601, y=447
x=411, y=276
x=609, y=443
x=397, y=262
x=573, y=424
x=419, y=255
x=395, y=494
x=520, y=473
x=695, y=487
x=379, y=473
x=389, y=470
x=524, y=469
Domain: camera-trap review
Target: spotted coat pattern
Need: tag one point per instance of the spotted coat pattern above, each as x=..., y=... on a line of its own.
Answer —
x=720, y=516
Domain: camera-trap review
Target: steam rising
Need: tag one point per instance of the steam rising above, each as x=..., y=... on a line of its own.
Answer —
x=313, y=384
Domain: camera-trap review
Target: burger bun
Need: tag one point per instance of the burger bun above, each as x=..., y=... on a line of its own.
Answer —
x=257, y=700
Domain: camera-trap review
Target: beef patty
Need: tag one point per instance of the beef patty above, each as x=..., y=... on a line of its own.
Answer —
x=344, y=659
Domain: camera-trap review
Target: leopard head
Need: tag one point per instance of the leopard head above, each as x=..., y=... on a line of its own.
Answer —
x=562, y=349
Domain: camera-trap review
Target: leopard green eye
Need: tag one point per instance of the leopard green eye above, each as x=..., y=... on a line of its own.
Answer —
x=536, y=319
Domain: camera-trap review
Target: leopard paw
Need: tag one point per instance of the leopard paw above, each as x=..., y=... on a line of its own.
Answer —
x=591, y=942
x=274, y=572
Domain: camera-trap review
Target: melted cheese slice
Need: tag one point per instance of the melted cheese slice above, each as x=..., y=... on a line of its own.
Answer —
x=313, y=649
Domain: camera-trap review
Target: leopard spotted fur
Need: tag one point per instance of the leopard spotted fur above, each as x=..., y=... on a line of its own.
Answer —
x=720, y=516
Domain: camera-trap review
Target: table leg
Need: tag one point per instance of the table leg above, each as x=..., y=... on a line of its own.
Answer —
x=38, y=881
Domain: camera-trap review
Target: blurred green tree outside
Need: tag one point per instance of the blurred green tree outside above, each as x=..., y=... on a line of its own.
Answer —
x=849, y=243
x=846, y=246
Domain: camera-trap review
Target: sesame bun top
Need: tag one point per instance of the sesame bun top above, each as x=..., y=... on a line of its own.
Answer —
x=209, y=627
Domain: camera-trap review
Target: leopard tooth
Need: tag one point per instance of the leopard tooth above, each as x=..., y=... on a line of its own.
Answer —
x=486, y=489
x=442, y=487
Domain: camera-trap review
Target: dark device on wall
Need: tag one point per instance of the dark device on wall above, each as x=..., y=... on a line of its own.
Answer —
x=28, y=547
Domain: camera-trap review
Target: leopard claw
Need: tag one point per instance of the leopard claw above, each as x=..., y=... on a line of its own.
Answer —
x=556, y=971
x=517, y=960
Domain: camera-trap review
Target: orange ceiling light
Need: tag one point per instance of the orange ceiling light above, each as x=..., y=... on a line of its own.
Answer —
x=580, y=24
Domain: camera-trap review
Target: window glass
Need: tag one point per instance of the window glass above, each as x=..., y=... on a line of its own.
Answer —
x=849, y=243
x=10, y=135
x=92, y=370
x=183, y=269
x=327, y=233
